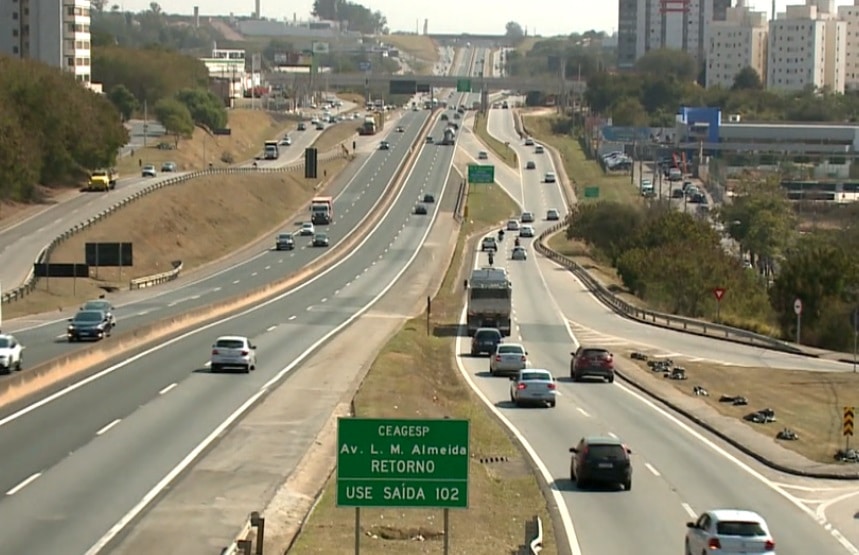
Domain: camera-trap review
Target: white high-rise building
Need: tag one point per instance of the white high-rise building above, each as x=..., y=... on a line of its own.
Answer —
x=56, y=32
x=737, y=43
x=807, y=47
x=850, y=16
x=645, y=25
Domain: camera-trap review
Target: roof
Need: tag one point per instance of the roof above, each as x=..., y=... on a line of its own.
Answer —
x=232, y=338
x=491, y=277
x=740, y=515
x=602, y=440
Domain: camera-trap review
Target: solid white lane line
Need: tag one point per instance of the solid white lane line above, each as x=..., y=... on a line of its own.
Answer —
x=652, y=470
x=107, y=427
x=689, y=510
x=24, y=484
x=614, y=435
x=291, y=318
x=271, y=328
x=583, y=411
x=168, y=388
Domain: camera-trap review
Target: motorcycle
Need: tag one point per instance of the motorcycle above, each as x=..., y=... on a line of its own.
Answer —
x=516, y=243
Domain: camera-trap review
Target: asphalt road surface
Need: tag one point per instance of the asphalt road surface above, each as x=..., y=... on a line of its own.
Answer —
x=97, y=450
x=352, y=203
x=678, y=471
x=22, y=242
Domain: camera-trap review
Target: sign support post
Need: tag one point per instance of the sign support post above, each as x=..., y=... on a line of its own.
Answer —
x=719, y=293
x=797, y=308
x=447, y=532
x=855, y=335
x=357, y=530
x=1, y=323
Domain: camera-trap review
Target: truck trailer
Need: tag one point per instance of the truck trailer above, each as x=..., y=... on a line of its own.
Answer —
x=322, y=210
x=449, y=136
x=490, y=300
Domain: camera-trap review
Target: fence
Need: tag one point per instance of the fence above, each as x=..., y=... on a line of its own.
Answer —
x=44, y=255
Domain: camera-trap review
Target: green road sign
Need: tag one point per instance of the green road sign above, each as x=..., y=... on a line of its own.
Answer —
x=592, y=192
x=481, y=174
x=463, y=85
x=402, y=463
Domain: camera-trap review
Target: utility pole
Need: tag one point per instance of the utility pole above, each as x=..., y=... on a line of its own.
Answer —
x=145, y=121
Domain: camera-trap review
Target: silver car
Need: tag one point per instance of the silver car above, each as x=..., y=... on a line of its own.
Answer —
x=103, y=305
x=306, y=229
x=553, y=215
x=526, y=217
x=533, y=387
x=512, y=225
x=526, y=231
x=519, y=253
x=233, y=351
x=508, y=358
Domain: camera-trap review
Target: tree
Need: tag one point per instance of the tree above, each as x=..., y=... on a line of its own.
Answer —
x=668, y=62
x=98, y=5
x=205, y=108
x=628, y=112
x=124, y=101
x=747, y=80
x=175, y=117
x=359, y=18
x=514, y=33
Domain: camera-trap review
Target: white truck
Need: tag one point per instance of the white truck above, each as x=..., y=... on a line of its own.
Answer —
x=490, y=300
x=449, y=137
x=271, y=150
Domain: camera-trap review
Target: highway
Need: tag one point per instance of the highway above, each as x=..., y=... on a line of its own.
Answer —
x=21, y=242
x=678, y=470
x=99, y=449
x=353, y=200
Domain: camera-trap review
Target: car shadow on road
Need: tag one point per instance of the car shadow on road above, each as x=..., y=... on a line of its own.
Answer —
x=448, y=330
x=506, y=405
x=565, y=484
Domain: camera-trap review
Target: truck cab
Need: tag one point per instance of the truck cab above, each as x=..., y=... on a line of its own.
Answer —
x=322, y=210
x=271, y=150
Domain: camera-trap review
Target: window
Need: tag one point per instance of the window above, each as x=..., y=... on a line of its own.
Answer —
x=14, y=50
x=15, y=16
x=70, y=61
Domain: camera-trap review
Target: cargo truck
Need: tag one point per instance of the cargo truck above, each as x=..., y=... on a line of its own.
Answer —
x=322, y=210
x=490, y=300
x=271, y=150
x=103, y=180
x=373, y=123
x=449, y=136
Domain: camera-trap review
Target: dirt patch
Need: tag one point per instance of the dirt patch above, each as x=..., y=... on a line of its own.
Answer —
x=342, y=134
x=808, y=403
x=196, y=222
x=421, y=47
x=527, y=44
x=250, y=128
x=12, y=212
x=357, y=99
x=500, y=149
x=415, y=377
x=581, y=171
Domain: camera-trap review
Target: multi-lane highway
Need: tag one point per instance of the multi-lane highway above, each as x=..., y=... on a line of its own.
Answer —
x=678, y=471
x=97, y=450
x=353, y=201
x=20, y=243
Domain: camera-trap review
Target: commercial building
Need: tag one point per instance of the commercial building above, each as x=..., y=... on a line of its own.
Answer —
x=807, y=48
x=850, y=16
x=646, y=25
x=736, y=43
x=55, y=32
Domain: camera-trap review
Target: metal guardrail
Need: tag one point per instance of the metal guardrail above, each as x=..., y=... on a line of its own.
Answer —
x=625, y=309
x=156, y=279
x=45, y=254
x=536, y=545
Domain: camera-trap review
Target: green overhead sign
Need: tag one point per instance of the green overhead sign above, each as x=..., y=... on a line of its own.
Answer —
x=402, y=463
x=463, y=85
x=481, y=174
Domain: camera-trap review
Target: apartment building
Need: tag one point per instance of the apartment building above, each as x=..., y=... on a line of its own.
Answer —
x=807, y=47
x=55, y=32
x=736, y=43
x=645, y=25
x=850, y=16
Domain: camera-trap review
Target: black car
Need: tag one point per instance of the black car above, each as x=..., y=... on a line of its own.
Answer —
x=677, y=193
x=601, y=459
x=302, y=126
x=429, y=199
x=284, y=242
x=320, y=240
x=384, y=145
x=485, y=340
x=489, y=244
x=421, y=209
x=89, y=324
x=429, y=139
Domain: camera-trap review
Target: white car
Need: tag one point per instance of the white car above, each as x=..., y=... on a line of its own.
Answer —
x=550, y=177
x=508, y=358
x=306, y=229
x=233, y=351
x=519, y=253
x=512, y=225
x=729, y=532
x=11, y=354
x=526, y=231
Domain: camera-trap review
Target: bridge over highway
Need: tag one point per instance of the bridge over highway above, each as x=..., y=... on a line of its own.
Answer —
x=545, y=84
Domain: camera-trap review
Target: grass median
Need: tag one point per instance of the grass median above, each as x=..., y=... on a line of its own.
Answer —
x=421, y=47
x=502, y=150
x=415, y=377
x=196, y=222
x=809, y=403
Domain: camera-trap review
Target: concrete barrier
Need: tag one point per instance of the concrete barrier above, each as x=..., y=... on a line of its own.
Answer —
x=32, y=380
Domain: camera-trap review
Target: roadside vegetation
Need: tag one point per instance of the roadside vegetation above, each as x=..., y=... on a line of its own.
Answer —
x=500, y=149
x=52, y=130
x=415, y=376
x=421, y=47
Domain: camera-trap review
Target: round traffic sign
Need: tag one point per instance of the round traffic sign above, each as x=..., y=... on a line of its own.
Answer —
x=797, y=306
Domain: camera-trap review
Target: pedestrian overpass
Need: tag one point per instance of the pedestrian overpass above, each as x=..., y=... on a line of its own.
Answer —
x=410, y=84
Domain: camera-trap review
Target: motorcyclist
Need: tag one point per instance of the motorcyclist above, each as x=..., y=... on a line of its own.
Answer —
x=501, y=234
x=491, y=259
x=516, y=242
